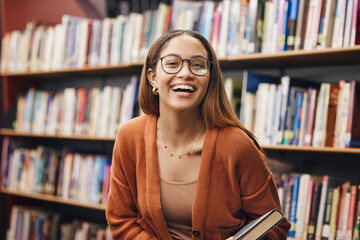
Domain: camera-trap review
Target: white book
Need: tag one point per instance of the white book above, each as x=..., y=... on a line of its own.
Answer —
x=75, y=175
x=322, y=204
x=128, y=39
x=68, y=122
x=35, y=48
x=39, y=124
x=95, y=43
x=301, y=205
x=339, y=24
x=269, y=22
x=270, y=105
x=321, y=116
x=224, y=28
x=52, y=118
x=341, y=121
x=83, y=43
x=15, y=37
x=262, y=97
x=59, y=48
x=66, y=183
x=48, y=52
x=284, y=91
x=309, y=25
x=138, y=25
x=348, y=22
x=276, y=117
x=104, y=45
x=94, y=110
x=114, y=111
x=105, y=111
x=232, y=47
x=117, y=39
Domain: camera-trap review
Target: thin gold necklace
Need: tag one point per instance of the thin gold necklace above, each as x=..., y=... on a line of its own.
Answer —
x=172, y=154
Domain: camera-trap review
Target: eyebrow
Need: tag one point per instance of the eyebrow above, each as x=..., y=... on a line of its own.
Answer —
x=174, y=54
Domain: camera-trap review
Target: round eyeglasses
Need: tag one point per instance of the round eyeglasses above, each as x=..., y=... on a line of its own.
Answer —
x=172, y=64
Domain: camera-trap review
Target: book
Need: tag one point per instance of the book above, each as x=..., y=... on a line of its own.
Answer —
x=260, y=226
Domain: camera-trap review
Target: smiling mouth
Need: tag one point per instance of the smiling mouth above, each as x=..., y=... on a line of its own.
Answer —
x=183, y=88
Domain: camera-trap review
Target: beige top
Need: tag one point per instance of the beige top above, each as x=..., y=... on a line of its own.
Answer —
x=177, y=200
x=178, y=179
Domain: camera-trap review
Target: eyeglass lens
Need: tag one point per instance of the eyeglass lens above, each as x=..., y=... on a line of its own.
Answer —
x=172, y=64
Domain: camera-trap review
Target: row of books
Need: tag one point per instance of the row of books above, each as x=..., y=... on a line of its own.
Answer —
x=233, y=27
x=320, y=207
x=33, y=223
x=70, y=175
x=93, y=112
x=287, y=111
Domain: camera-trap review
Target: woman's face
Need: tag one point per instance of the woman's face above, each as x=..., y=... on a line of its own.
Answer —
x=183, y=91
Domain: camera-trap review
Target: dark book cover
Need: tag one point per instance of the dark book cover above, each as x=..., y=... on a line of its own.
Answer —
x=314, y=210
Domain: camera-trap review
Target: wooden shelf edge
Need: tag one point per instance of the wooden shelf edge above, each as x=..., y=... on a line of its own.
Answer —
x=312, y=149
x=279, y=59
x=13, y=133
x=54, y=199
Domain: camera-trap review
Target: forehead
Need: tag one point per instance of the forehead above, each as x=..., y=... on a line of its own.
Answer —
x=185, y=46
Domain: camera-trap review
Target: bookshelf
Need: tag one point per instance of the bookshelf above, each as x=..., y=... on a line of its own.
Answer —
x=314, y=64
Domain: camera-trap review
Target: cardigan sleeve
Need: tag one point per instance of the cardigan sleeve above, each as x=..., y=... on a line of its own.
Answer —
x=262, y=201
x=122, y=215
x=259, y=191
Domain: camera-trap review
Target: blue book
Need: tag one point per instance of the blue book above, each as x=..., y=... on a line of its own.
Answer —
x=293, y=207
x=297, y=117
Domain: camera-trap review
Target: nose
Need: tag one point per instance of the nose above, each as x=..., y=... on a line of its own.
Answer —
x=185, y=69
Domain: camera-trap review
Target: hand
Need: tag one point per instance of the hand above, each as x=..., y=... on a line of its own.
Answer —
x=230, y=238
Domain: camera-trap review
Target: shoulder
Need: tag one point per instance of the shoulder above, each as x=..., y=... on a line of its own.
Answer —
x=236, y=138
x=234, y=143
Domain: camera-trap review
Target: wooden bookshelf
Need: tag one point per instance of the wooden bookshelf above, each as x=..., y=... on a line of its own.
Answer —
x=13, y=133
x=289, y=148
x=55, y=199
x=303, y=58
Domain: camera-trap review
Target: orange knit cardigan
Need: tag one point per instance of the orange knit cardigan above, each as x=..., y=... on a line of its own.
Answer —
x=234, y=185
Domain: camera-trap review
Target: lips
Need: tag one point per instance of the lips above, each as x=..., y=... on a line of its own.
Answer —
x=183, y=88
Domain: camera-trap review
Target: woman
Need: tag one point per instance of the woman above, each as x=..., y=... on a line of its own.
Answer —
x=187, y=169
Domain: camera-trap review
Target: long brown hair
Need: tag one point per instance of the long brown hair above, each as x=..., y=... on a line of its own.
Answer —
x=216, y=109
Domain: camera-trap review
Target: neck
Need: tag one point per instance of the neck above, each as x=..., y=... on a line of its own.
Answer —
x=180, y=131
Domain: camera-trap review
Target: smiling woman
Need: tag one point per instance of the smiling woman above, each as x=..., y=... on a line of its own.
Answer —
x=187, y=168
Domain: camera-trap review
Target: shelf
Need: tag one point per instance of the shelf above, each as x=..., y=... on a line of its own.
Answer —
x=13, y=133
x=311, y=149
x=294, y=58
x=54, y=199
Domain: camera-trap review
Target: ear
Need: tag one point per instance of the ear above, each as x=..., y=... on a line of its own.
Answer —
x=151, y=76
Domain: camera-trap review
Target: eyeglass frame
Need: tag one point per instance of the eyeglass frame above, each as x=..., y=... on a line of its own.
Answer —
x=209, y=62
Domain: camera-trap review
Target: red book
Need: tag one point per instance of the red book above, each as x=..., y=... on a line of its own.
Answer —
x=352, y=210
x=167, y=19
x=81, y=105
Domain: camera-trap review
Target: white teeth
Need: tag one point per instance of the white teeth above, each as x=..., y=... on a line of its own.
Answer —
x=185, y=87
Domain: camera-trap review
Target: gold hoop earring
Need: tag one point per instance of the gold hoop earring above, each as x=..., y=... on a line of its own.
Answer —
x=155, y=91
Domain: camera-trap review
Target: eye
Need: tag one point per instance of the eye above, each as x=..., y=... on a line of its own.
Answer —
x=171, y=61
x=198, y=63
